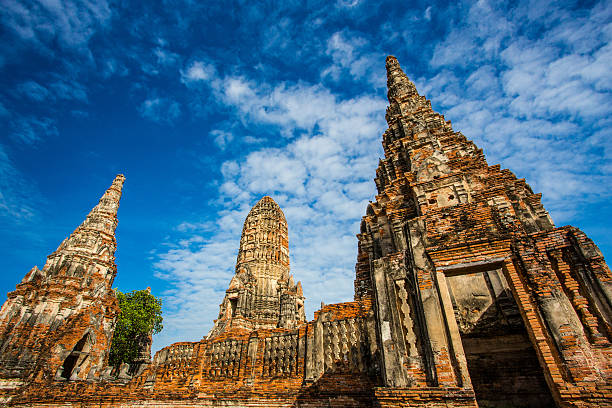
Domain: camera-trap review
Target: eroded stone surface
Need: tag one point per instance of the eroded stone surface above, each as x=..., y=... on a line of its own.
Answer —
x=472, y=258
x=262, y=293
x=465, y=295
x=59, y=320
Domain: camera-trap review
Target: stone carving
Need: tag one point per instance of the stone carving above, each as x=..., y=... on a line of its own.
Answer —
x=474, y=241
x=280, y=355
x=344, y=344
x=407, y=321
x=262, y=294
x=225, y=359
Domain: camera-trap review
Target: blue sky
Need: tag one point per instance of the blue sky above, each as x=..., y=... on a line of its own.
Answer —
x=207, y=106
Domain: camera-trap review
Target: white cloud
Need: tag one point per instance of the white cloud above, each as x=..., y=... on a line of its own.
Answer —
x=164, y=56
x=525, y=100
x=347, y=3
x=198, y=71
x=71, y=23
x=221, y=138
x=320, y=177
x=161, y=110
x=68, y=90
x=16, y=196
x=277, y=37
x=31, y=129
x=33, y=90
x=352, y=59
x=532, y=97
x=60, y=89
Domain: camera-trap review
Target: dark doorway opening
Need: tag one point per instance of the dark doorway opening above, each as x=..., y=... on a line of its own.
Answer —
x=68, y=365
x=233, y=305
x=502, y=363
x=81, y=349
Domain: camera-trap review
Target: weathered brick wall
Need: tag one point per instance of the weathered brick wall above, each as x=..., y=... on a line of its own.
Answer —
x=465, y=294
x=67, y=304
x=442, y=211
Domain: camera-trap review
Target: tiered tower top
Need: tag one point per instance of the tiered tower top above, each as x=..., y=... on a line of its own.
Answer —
x=264, y=244
x=262, y=293
x=96, y=235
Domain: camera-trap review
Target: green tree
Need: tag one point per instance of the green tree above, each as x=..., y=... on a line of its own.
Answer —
x=140, y=316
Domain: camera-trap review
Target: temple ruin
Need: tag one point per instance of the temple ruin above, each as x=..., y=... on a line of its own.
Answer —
x=466, y=295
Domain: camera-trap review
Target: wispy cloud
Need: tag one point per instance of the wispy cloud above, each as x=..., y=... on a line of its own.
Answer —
x=33, y=91
x=289, y=101
x=59, y=89
x=165, y=57
x=70, y=23
x=321, y=179
x=221, y=138
x=198, y=71
x=31, y=129
x=524, y=98
x=531, y=95
x=353, y=60
x=162, y=110
x=16, y=196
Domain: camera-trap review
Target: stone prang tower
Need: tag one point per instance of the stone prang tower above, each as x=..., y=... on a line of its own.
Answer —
x=466, y=295
x=262, y=294
x=59, y=320
x=473, y=285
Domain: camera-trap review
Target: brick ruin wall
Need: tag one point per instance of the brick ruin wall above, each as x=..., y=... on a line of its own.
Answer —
x=466, y=295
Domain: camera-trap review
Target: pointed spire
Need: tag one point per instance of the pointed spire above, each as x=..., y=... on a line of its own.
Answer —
x=71, y=298
x=98, y=228
x=262, y=293
x=397, y=82
x=266, y=203
x=109, y=202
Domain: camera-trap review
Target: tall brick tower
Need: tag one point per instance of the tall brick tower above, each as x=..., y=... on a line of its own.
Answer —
x=466, y=295
x=59, y=320
x=262, y=293
x=474, y=287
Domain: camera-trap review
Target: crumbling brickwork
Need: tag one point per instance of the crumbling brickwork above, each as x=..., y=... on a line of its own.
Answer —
x=58, y=322
x=462, y=256
x=466, y=295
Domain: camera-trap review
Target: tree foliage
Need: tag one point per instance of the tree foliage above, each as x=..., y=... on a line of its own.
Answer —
x=140, y=316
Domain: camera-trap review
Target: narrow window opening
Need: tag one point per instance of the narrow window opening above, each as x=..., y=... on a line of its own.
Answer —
x=233, y=305
x=82, y=347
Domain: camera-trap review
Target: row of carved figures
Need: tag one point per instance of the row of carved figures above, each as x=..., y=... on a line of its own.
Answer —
x=270, y=237
x=280, y=355
x=225, y=359
x=344, y=345
x=263, y=252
